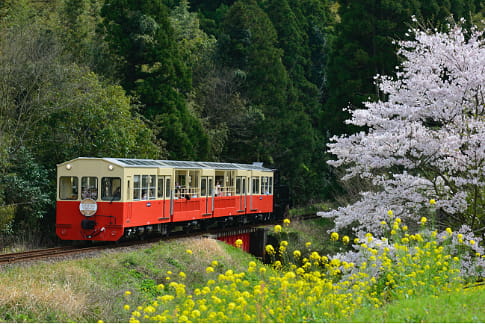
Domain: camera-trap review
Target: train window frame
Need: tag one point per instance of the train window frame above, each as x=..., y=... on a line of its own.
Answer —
x=255, y=190
x=137, y=187
x=238, y=185
x=160, y=187
x=267, y=185
x=203, y=186
x=87, y=189
x=152, y=183
x=168, y=189
x=210, y=186
x=114, y=195
x=73, y=193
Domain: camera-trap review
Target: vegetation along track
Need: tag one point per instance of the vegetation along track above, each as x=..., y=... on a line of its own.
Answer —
x=73, y=250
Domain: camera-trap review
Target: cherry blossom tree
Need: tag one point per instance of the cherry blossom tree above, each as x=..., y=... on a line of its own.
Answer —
x=425, y=141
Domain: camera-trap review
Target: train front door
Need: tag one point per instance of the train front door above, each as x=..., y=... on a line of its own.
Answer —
x=164, y=193
x=207, y=194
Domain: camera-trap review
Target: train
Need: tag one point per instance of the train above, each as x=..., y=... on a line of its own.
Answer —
x=110, y=199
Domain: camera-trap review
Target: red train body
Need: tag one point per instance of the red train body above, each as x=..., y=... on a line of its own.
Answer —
x=104, y=199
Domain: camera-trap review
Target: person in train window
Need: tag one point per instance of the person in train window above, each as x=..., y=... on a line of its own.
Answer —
x=117, y=194
x=178, y=190
x=144, y=195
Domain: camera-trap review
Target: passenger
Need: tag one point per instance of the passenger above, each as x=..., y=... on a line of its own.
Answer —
x=218, y=189
x=144, y=195
x=178, y=190
x=117, y=194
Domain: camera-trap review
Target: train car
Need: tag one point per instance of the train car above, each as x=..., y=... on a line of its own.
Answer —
x=105, y=199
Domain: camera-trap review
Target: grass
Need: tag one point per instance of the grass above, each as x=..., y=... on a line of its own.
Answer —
x=86, y=290
x=464, y=306
x=94, y=288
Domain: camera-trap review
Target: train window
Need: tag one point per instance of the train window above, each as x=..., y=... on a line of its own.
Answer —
x=144, y=187
x=111, y=189
x=211, y=186
x=238, y=185
x=267, y=185
x=89, y=187
x=255, y=189
x=167, y=188
x=161, y=186
x=203, y=186
x=68, y=188
x=151, y=186
x=136, y=187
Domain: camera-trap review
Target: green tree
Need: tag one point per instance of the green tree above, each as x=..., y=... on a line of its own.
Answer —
x=363, y=48
x=142, y=40
x=297, y=129
x=79, y=29
x=248, y=47
x=53, y=110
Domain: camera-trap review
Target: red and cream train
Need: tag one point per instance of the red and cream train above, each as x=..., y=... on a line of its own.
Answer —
x=105, y=199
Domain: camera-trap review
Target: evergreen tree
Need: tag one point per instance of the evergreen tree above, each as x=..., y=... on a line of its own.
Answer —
x=298, y=132
x=363, y=48
x=248, y=47
x=141, y=38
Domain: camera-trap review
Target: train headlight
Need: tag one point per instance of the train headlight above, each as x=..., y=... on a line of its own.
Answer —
x=111, y=167
x=68, y=167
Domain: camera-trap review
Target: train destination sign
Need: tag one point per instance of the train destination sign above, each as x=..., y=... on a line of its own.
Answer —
x=88, y=207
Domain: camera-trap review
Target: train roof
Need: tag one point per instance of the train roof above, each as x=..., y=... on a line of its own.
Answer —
x=140, y=163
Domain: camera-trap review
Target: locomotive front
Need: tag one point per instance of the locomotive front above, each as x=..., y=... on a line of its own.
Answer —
x=89, y=200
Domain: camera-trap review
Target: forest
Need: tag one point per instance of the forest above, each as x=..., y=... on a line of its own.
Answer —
x=234, y=81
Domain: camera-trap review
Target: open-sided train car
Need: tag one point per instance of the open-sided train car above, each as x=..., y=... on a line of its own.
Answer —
x=104, y=199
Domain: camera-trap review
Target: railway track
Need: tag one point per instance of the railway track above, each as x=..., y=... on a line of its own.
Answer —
x=44, y=253
x=17, y=257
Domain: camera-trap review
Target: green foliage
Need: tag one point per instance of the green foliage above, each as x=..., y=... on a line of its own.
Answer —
x=7, y=214
x=94, y=119
x=26, y=192
x=141, y=38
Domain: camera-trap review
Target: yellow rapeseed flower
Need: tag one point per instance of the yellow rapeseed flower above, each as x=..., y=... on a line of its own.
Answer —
x=209, y=269
x=126, y=307
x=270, y=249
x=238, y=243
x=345, y=239
x=277, y=228
x=432, y=201
x=334, y=236
x=286, y=221
x=423, y=220
x=188, y=251
x=390, y=213
x=296, y=254
x=127, y=293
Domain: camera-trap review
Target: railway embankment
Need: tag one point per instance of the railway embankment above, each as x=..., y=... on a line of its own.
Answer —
x=111, y=285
